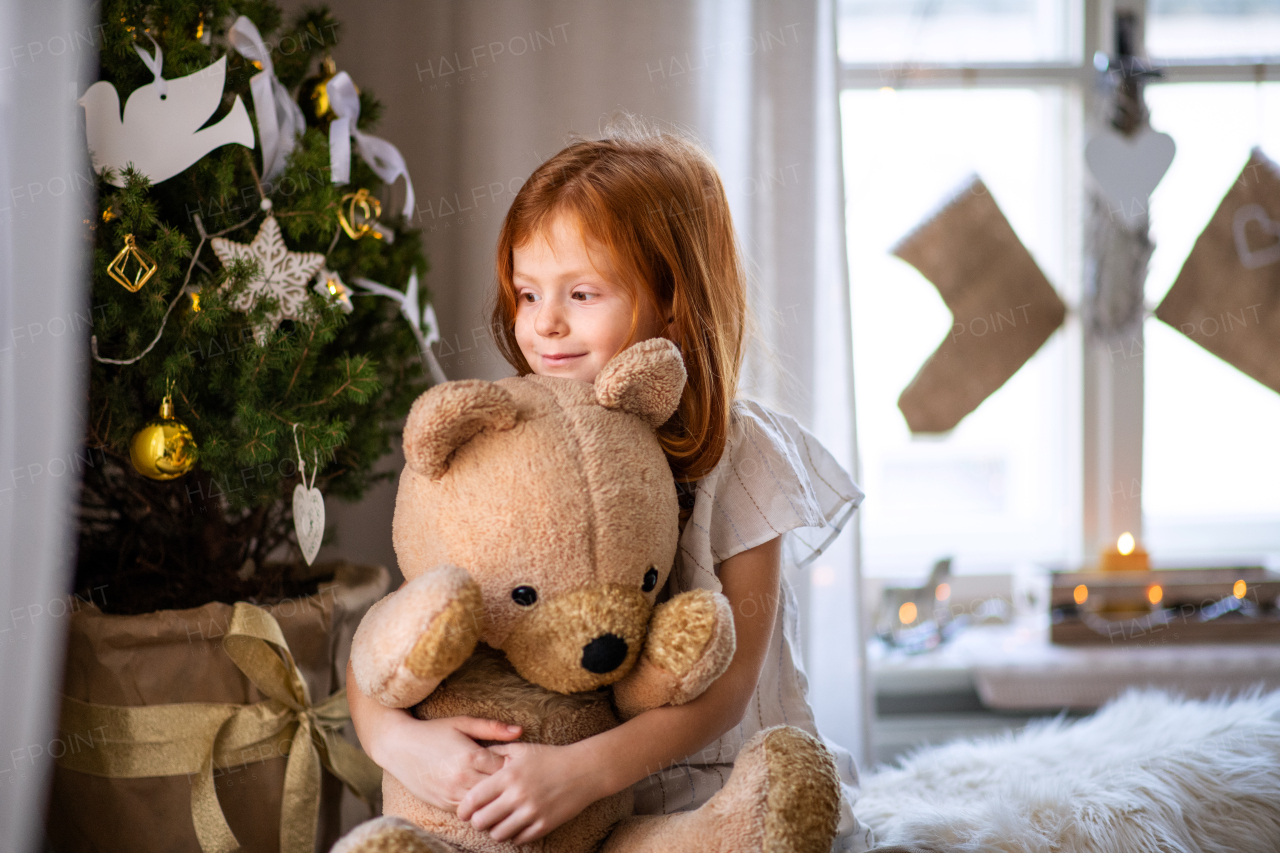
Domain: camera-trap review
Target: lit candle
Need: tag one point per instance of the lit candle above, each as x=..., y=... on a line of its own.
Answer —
x=1127, y=555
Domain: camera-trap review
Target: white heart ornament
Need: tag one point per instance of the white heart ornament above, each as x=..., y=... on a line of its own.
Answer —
x=308, y=520
x=1128, y=169
x=1250, y=259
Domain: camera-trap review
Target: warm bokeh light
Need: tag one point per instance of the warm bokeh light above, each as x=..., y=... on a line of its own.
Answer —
x=943, y=592
x=1155, y=594
x=1239, y=589
x=1081, y=594
x=195, y=302
x=1125, y=544
x=907, y=613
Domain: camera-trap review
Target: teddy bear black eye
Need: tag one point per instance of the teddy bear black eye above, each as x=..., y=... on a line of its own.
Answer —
x=524, y=595
x=650, y=579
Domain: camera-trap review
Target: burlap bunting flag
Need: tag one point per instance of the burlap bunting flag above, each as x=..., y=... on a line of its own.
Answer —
x=1003, y=308
x=1227, y=295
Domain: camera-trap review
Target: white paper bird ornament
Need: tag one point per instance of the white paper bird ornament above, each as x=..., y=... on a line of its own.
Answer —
x=160, y=132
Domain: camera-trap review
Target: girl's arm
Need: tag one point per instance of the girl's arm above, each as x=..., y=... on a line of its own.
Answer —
x=541, y=787
x=437, y=760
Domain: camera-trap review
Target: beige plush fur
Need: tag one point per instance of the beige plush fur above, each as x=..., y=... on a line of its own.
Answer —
x=529, y=514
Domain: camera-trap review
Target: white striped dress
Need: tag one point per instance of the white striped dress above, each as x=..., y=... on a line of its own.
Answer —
x=774, y=479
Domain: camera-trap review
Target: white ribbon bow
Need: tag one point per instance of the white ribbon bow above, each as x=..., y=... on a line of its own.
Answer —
x=383, y=157
x=280, y=120
x=155, y=64
x=409, y=310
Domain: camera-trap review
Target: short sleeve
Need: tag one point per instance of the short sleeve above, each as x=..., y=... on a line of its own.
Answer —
x=774, y=478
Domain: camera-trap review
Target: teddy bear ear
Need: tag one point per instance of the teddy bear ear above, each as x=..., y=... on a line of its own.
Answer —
x=449, y=415
x=645, y=379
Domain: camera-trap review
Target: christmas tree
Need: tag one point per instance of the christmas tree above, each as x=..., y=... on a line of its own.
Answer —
x=269, y=383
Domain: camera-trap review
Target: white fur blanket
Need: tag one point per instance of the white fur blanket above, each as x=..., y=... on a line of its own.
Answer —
x=1146, y=774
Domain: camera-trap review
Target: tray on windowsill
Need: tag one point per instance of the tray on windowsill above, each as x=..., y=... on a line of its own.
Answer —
x=1228, y=605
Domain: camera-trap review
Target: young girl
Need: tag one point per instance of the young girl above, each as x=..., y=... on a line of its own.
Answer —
x=608, y=243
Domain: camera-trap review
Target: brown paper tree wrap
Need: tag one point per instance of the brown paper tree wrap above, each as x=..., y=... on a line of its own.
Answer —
x=1227, y=295
x=1003, y=308
x=197, y=726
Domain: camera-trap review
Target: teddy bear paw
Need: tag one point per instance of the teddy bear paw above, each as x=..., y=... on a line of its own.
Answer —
x=412, y=639
x=390, y=835
x=691, y=637
x=783, y=795
x=804, y=791
x=690, y=644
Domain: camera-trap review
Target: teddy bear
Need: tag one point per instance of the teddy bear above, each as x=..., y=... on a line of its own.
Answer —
x=536, y=524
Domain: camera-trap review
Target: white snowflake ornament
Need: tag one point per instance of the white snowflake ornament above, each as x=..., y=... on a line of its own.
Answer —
x=282, y=274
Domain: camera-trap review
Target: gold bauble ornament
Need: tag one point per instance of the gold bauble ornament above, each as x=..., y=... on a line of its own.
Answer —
x=313, y=97
x=164, y=449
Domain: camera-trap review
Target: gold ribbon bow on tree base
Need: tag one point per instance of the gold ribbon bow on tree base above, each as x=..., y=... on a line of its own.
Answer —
x=194, y=738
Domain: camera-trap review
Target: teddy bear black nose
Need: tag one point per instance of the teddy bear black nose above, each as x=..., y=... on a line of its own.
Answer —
x=604, y=654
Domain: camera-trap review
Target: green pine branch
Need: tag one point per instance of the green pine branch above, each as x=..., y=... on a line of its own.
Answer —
x=340, y=382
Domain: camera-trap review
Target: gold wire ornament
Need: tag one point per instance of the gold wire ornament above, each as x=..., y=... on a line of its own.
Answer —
x=368, y=208
x=143, y=267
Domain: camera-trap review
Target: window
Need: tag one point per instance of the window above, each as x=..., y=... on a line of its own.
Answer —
x=933, y=91
x=1000, y=487
x=957, y=31
x=1211, y=436
x=1213, y=29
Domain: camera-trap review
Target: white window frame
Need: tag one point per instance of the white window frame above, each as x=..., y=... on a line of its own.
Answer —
x=1112, y=390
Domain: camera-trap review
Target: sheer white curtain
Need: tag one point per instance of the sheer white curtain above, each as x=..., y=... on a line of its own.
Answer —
x=769, y=112
x=43, y=315
x=478, y=94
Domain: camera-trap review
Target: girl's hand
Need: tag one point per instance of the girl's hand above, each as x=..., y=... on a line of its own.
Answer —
x=438, y=761
x=538, y=788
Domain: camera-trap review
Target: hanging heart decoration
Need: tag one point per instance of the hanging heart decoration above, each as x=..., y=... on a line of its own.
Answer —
x=308, y=508
x=1128, y=169
x=308, y=520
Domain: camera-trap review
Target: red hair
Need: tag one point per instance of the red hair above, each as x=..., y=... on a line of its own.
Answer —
x=655, y=203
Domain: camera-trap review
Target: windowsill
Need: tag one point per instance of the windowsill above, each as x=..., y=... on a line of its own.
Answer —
x=994, y=679
x=933, y=698
x=1014, y=668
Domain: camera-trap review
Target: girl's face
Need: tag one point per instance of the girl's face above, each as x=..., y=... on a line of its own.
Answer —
x=572, y=314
